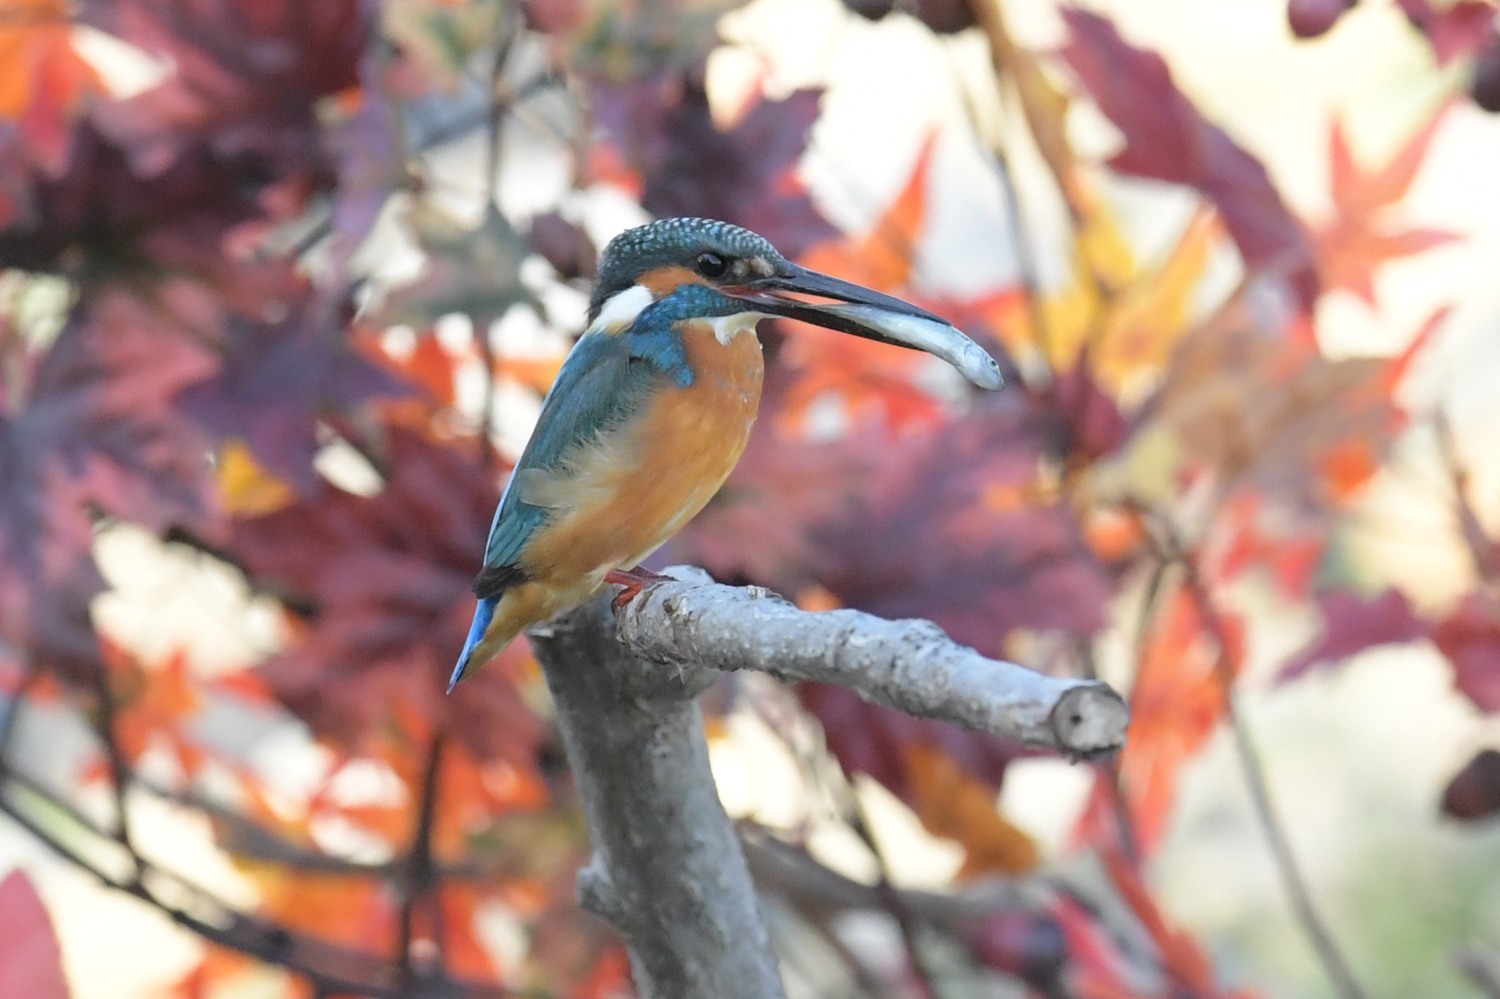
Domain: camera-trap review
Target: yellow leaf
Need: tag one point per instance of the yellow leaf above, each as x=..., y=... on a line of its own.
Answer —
x=1153, y=311
x=247, y=488
x=1074, y=316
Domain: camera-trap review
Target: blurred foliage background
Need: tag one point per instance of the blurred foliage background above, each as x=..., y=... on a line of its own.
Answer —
x=283, y=285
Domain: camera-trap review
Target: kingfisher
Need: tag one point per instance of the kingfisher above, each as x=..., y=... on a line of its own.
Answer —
x=652, y=409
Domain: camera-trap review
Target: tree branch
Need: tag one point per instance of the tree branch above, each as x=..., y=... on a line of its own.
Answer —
x=668, y=869
x=909, y=665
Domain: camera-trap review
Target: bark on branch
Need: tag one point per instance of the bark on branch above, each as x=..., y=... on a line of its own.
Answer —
x=668, y=869
x=693, y=623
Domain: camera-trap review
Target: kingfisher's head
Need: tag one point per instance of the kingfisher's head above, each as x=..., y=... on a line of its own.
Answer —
x=727, y=270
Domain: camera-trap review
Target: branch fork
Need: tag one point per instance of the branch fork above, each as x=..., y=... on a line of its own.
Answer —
x=668, y=870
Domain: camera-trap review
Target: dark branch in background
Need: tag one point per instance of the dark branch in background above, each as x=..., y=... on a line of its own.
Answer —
x=820, y=894
x=419, y=882
x=330, y=969
x=1482, y=551
x=1009, y=65
x=1482, y=969
x=668, y=869
x=119, y=768
x=891, y=899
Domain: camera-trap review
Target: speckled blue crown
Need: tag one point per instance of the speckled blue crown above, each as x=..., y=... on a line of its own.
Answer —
x=667, y=242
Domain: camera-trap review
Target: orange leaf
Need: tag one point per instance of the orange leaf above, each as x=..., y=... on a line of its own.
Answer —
x=1359, y=237
x=1113, y=533
x=156, y=703
x=473, y=793
x=1259, y=535
x=954, y=805
x=872, y=380
x=213, y=975
x=609, y=978
x=1401, y=363
x=43, y=79
x=1177, y=702
x=1184, y=961
x=536, y=373
x=1349, y=465
x=432, y=368
x=463, y=951
x=882, y=258
x=341, y=909
x=868, y=377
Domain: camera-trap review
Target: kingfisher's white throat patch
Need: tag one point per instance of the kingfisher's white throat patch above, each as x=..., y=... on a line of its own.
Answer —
x=726, y=328
x=621, y=309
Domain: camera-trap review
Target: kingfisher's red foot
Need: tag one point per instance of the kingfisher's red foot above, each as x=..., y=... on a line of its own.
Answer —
x=633, y=580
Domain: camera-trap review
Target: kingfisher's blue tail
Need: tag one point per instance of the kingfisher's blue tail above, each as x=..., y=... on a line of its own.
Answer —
x=482, y=617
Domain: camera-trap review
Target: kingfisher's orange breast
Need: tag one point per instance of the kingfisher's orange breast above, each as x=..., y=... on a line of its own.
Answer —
x=636, y=487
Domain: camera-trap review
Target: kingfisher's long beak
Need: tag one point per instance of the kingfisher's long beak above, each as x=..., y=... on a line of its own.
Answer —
x=869, y=314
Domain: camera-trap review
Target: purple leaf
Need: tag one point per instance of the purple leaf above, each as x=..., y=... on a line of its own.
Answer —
x=745, y=175
x=1352, y=623
x=1166, y=138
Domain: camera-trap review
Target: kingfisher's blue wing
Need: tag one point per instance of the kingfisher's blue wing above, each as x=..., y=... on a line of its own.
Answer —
x=602, y=382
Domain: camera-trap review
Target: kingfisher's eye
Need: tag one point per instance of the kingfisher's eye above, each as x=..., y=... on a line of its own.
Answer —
x=711, y=265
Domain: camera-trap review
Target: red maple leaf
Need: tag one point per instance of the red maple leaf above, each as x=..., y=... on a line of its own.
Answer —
x=229, y=138
x=383, y=583
x=245, y=75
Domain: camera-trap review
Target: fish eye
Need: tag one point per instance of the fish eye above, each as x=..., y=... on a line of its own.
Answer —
x=711, y=265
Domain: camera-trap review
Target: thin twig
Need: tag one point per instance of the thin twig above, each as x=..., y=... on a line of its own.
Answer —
x=1253, y=770
x=328, y=967
x=1481, y=969
x=891, y=900
x=119, y=770
x=1108, y=773
x=500, y=102
x=13, y=710
x=420, y=879
x=1025, y=258
x=1482, y=551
